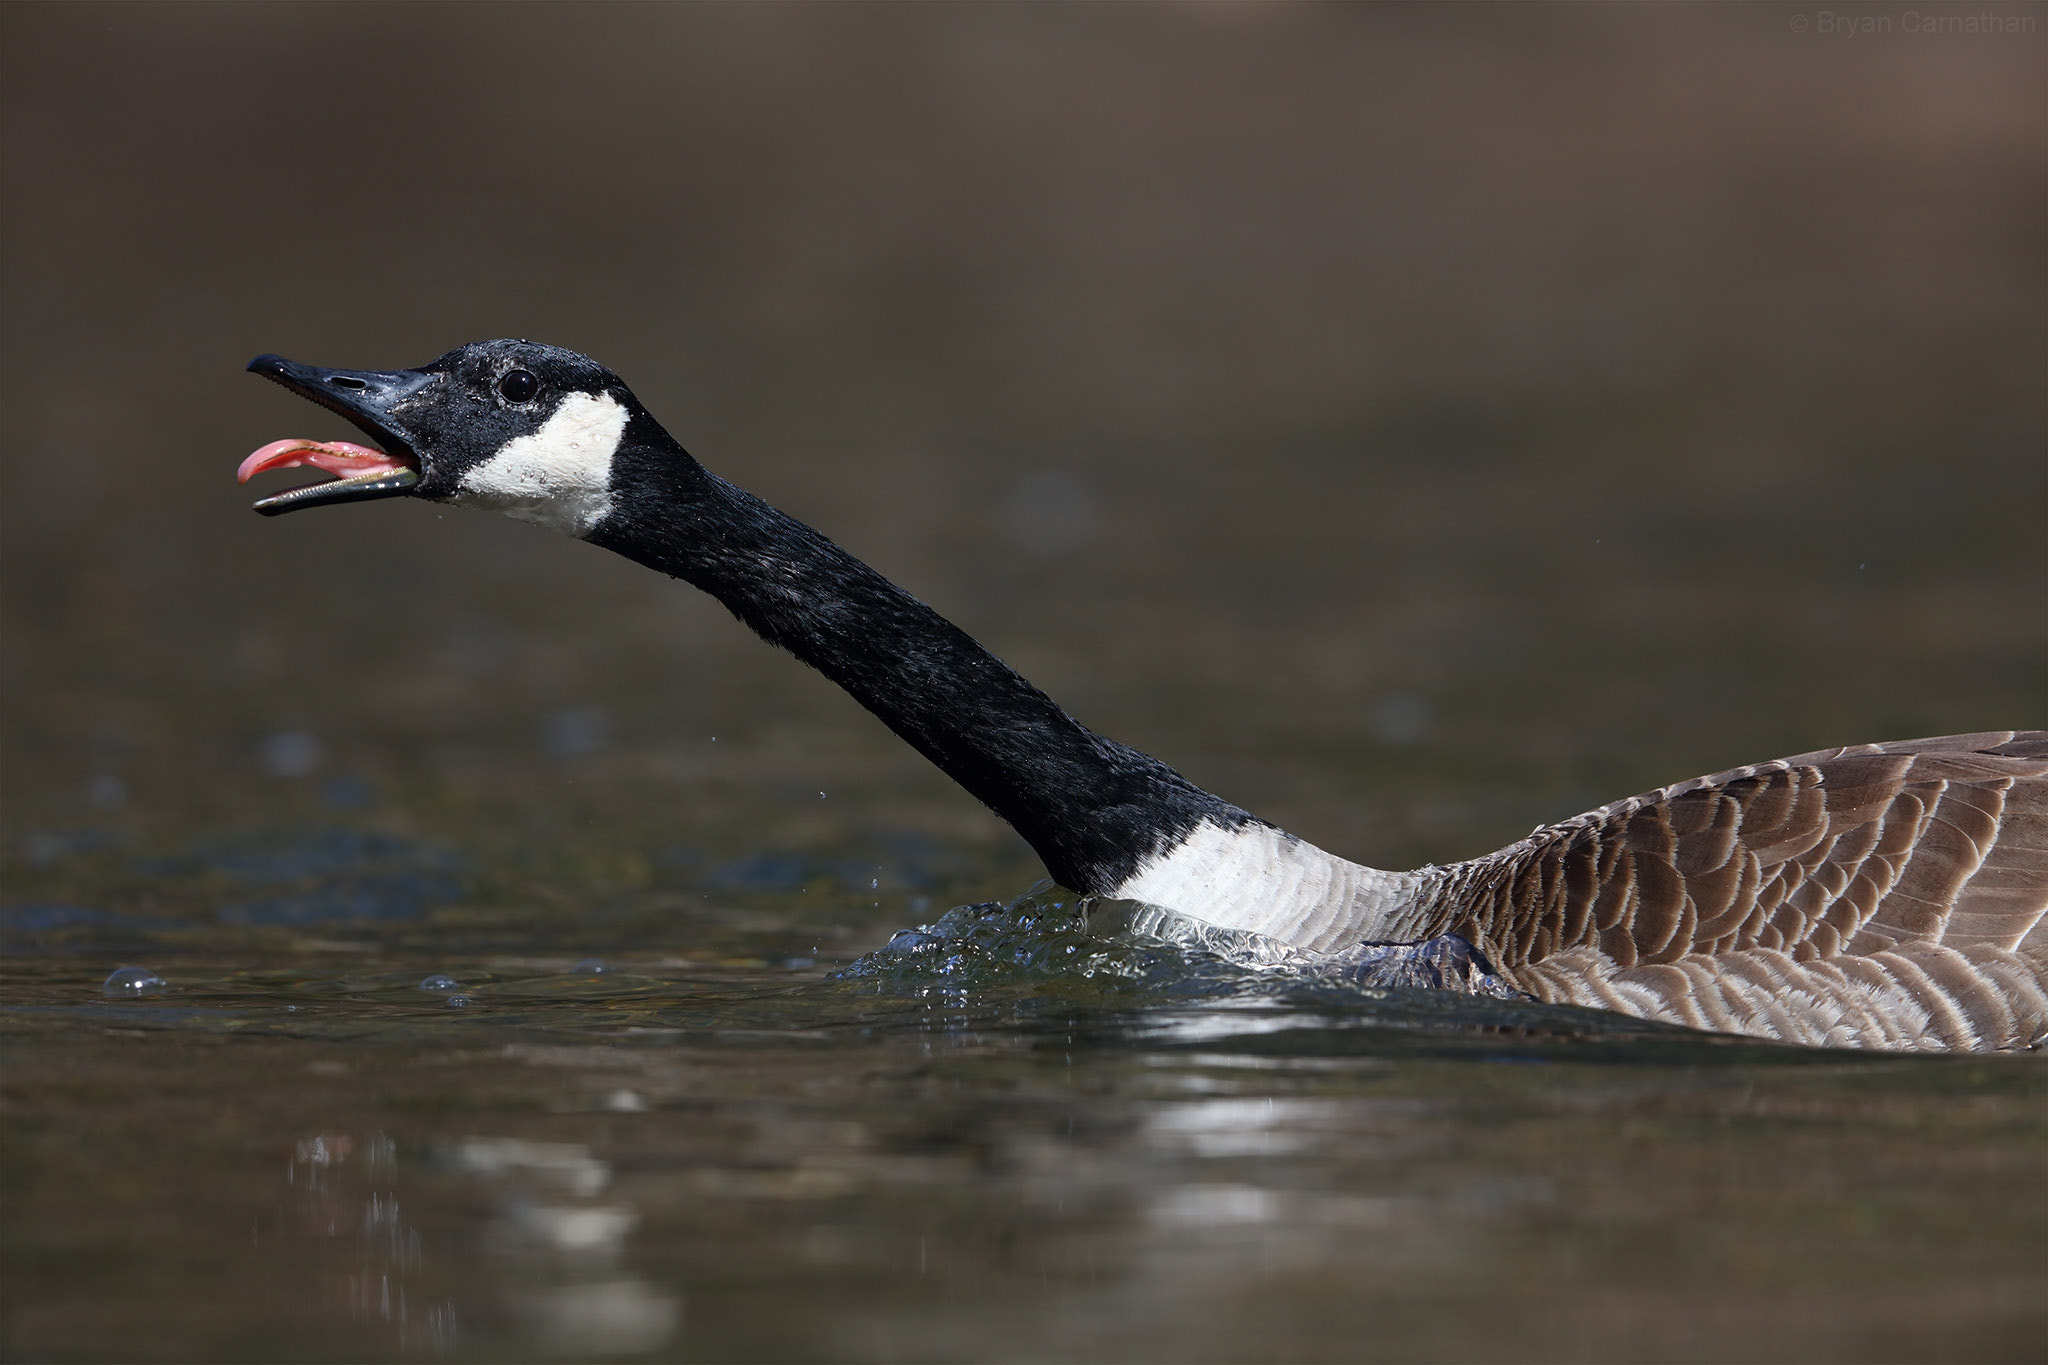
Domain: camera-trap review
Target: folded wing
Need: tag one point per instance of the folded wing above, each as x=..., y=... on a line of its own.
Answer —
x=1886, y=894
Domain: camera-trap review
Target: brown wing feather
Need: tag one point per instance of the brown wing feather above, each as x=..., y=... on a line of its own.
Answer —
x=1923, y=853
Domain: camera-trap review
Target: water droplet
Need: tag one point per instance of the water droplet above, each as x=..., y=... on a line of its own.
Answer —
x=590, y=966
x=460, y=1002
x=439, y=983
x=127, y=981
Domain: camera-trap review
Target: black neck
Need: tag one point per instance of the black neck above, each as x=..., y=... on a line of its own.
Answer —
x=1090, y=807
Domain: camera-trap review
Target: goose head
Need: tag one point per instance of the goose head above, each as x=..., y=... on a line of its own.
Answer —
x=509, y=426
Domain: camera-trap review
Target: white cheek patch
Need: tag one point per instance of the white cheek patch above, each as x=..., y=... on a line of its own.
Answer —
x=558, y=477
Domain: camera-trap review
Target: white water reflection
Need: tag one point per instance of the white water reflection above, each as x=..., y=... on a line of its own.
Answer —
x=1242, y=1127
x=558, y=1242
x=1223, y=1020
x=596, y=1232
x=547, y=1210
x=388, y=1249
x=566, y=1165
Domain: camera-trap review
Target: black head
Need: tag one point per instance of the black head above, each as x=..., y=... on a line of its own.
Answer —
x=514, y=426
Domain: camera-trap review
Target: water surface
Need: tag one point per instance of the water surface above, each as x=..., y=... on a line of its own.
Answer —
x=1413, y=423
x=1016, y=1134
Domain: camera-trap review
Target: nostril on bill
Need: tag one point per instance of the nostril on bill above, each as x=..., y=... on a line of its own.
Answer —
x=342, y=381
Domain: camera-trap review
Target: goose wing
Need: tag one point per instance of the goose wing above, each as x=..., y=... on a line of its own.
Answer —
x=1925, y=856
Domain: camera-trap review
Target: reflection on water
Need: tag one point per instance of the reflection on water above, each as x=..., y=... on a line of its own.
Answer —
x=549, y=1245
x=1019, y=1131
x=328, y=1175
x=548, y=1222
x=1321, y=397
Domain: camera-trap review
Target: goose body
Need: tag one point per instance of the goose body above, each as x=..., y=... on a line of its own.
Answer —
x=1884, y=895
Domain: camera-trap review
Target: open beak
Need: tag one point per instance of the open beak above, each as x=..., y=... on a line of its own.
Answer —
x=373, y=400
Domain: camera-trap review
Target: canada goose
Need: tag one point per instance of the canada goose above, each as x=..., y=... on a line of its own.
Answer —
x=1885, y=895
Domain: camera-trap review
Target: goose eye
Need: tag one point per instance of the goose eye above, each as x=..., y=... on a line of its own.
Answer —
x=518, y=386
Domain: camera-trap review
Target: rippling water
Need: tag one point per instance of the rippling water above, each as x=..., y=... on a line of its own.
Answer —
x=1413, y=423
x=389, y=1121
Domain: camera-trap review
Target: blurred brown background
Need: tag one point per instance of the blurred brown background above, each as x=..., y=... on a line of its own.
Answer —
x=1413, y=422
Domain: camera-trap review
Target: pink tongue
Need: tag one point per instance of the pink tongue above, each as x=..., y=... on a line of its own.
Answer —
x=342, y=458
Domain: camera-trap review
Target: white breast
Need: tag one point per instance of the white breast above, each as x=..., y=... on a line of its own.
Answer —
x=558, y=477
x=1264, y=881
